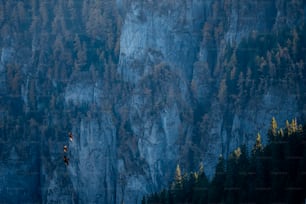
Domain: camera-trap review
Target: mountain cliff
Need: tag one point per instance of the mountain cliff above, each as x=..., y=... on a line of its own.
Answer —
x=142, y=86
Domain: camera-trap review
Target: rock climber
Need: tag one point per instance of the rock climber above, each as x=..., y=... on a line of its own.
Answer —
x=66, y=160
x=65, y=148
x=70, y=136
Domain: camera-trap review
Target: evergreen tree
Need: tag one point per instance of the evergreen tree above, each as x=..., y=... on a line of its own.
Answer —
x=243, y=175
x=177, y=185
x=278, y=170
x=288, y=129
x=274, y=174
x=237, y=153
x=273, y=130
x=236, y=173
x=216, y=188
x=201, y=169
x=281, y=132
x=257, y=146
x=294, y=126
x=201, y=187
x=178, y=180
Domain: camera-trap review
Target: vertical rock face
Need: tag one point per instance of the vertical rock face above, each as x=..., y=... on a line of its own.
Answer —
x=142, y=86
x=92, y=160
x=158, y=46
x=169, y=35
x=168, y=32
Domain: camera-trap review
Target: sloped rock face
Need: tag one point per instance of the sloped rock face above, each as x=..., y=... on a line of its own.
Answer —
x=142, y=86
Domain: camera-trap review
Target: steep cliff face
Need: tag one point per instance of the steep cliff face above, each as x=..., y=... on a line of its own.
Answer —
x=142, y=86
x=158, y=45
x=168, y=32
x=196, y=41
x=211, y=121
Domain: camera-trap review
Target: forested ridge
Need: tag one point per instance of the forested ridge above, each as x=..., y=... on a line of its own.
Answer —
x=274, y=173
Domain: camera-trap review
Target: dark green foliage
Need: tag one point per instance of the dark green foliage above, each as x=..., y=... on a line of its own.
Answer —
x=216, y=187
x=275, y=174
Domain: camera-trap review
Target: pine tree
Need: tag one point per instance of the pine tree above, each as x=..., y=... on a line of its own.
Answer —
x=237, y=153
x=230, y=183
x=274, y=126
x=281, y=132
x=177, y=185
x=257, y=145
x=273, y=130
x=294, y=126
x=277, y=170
x=216, y=187
x=235, y=176
x=178, y=179
x=201, y=169
x=243, y=175
x=248, y=180
x=255, y=169
x=200, y=192
x=288, y=128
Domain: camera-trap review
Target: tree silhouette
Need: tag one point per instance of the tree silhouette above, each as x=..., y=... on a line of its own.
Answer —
x=272, y=174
